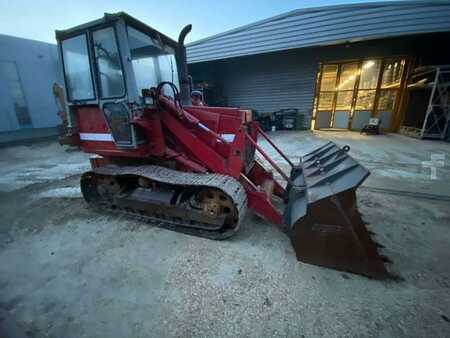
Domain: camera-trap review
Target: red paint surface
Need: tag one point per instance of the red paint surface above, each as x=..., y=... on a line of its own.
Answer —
x=173, y=134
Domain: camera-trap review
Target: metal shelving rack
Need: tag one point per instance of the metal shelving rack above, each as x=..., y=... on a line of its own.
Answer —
x=436, y=80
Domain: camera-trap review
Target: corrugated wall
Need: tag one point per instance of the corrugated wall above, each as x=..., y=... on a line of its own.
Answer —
x=268, y=83
x=37, y=68
x=325, y=26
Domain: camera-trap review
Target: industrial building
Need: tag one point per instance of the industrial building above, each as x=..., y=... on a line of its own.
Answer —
x=28, y=70
x=337, y=65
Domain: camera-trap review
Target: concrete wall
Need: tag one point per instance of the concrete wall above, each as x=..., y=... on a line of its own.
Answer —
x=37, y=68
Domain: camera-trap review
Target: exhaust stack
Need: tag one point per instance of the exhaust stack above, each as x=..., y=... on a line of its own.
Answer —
x=183, y=73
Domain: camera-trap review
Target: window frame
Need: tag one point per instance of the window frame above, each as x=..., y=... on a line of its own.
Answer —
x=158, y=73
x=127, y=34
x=396, y=92
x=319, y=86
x=91, y=71
x=130, y=126
x=95, y=64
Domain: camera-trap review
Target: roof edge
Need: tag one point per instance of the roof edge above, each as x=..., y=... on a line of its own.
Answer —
x=331, y=43
x=378, y=3
x=27, y=39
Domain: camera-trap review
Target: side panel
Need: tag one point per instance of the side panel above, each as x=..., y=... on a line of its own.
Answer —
x=95, y=136
x=220, y=120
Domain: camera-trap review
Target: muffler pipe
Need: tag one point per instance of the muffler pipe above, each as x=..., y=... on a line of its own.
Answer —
x=183, y=73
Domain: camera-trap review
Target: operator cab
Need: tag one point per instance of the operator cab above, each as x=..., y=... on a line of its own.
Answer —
x=108, y=62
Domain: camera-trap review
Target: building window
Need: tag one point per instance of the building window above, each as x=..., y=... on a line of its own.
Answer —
x=349, y=93
x=370, y=71
x=387, y=99
x=392, y=73
x=344, y=100
x=326, y=100
x=347, y=76
x=365, y=100
x=329, y=75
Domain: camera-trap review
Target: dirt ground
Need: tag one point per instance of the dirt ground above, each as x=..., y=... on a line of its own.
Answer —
x=68, y=271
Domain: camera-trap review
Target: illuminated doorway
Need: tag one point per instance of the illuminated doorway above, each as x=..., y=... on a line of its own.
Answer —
x=349, y=93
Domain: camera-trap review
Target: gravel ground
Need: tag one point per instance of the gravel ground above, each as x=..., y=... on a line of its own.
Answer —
x=68, y=271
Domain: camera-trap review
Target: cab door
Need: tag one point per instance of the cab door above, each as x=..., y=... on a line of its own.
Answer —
x=111, y=85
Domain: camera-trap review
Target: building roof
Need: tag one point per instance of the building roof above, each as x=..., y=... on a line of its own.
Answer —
x=322, y=26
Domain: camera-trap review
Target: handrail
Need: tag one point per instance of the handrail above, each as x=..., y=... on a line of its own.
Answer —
x=272, y=163
x=274, y=146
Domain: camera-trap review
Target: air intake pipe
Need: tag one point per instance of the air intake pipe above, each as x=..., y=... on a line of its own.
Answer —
x=183, y=74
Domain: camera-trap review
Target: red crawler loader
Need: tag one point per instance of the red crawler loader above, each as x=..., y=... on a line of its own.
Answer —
x=193, y=168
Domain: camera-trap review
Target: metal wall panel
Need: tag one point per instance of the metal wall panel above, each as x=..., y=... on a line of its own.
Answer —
x=325, y=26
x=268, y=83
x=37, y=70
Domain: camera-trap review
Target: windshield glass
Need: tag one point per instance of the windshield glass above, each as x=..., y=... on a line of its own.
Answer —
x=152, y=61
x=77, y=69
x=108, y=63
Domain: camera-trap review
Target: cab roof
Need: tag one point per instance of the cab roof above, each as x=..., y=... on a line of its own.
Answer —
x=110, y=18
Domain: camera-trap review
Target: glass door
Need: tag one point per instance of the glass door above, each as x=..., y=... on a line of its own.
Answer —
x=345, y=91
x=112, y=85
x=389, y=91
x=325, y=99
x=365, y=96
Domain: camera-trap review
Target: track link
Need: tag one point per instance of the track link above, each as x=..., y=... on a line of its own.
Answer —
x=183, y=220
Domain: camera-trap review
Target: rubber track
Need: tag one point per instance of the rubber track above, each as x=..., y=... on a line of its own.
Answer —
x=225, y=183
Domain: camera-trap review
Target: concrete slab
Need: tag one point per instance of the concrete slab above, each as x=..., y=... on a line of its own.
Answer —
x=67, y=271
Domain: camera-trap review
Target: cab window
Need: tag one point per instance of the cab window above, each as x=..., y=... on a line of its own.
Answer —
x=77, y=69
x=107, y=58
x=152, y=61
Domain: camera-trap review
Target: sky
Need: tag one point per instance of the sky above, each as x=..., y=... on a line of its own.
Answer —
x=38, y=19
